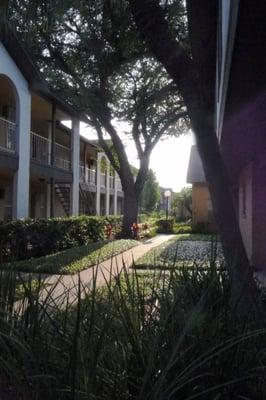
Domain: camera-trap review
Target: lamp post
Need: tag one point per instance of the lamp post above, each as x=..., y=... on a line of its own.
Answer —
x=167, y=194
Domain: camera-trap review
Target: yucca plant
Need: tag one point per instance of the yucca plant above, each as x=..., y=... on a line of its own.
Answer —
x=145, y=335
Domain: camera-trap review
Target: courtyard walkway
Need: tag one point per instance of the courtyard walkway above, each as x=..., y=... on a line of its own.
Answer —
x=67, y=285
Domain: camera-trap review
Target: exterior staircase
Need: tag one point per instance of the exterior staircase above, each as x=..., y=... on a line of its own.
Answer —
x=62, y=191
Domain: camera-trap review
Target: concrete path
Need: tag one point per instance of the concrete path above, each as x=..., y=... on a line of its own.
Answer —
x=63, y=286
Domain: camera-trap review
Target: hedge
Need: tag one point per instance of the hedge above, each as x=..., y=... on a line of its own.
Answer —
x=24, y=239
x=165, y=225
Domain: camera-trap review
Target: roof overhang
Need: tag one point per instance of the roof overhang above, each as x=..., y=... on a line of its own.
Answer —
x=37, y=84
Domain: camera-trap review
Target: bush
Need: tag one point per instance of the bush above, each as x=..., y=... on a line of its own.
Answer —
x=165, y=225
x=204, y=227
x=20, y=240
x=182, y=228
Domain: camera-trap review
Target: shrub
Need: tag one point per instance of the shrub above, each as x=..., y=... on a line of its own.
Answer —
x=20, y=240
x=182, y=228
x=204, y=227
x=165, y=225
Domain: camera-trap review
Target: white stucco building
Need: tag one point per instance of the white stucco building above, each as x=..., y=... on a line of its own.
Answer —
x=46, y=168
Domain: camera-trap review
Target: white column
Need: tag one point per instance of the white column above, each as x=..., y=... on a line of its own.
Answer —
x=21, y=182
x=75, y=144
x=107, y=190
x=98, y=184
x=115, y=194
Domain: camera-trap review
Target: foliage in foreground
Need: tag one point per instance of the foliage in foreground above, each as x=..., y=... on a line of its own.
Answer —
x=144, y=336
x=73, y=260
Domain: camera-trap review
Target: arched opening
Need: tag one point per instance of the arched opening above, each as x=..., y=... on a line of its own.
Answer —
x=8, y=113
x=8, y=123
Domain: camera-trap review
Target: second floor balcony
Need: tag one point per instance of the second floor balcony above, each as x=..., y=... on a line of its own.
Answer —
x=7, y=135
x=87, y=175
x=41, y=151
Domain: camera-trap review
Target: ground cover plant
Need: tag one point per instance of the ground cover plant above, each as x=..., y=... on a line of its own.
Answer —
x=183, y=250
x=73, y=260
x=153, y=335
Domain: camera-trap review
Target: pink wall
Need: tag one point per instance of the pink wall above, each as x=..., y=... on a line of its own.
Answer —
x=245, y=205
x=259, y=211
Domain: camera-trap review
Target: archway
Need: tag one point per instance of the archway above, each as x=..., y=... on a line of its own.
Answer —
x=8, y=113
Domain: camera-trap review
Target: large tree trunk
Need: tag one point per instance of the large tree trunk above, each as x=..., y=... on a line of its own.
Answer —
x=131, y=205
x=193, y=80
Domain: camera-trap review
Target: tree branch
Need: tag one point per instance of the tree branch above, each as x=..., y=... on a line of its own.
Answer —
x=150, y=20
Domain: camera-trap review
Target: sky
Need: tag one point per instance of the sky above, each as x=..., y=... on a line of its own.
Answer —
x=169, y=159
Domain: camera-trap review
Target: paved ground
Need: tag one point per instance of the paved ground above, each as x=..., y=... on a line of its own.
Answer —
x=67, y=285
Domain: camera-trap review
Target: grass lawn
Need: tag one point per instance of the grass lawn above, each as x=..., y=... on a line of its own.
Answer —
x=183, y=250
x=73, y=260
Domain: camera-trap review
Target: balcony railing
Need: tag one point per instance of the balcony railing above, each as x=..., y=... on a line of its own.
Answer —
x=82, y=173
x=91, y=176
x=112, y=182
x=103, y=180
x=7, y=134
x=87, y=175
x=40, y=149
x=62, y=156
x=119, y=185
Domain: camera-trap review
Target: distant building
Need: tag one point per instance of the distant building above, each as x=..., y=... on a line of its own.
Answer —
x=202, y=214
x=241, y=116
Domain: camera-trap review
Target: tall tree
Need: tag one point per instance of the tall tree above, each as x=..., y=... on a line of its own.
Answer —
x=181, y=205
x=150, y=194
x=193, y=71
x=92, y=53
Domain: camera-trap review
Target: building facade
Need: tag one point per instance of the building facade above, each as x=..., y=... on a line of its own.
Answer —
x=241, y=116
x=46, y=168
x=202, y=212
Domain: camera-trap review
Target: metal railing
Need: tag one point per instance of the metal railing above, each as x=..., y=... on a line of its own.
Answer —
x=62, y=157
x=82, y=174
x=119, y=185
x=91, y=176
x=103, y=180
x=40, y=149
x=7, y=134
x=87, y=175
x=112, y=182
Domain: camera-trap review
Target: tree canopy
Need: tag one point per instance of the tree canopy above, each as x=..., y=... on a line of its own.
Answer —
x=93, y=54
x=181, y=205
x=150, y=194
